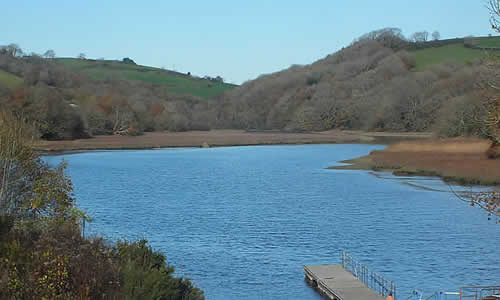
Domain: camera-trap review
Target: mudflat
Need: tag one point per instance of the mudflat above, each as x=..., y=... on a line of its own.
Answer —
x=460, y=159
x=215, y=138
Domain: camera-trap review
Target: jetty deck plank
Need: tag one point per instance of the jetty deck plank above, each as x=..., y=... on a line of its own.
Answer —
x=336, y=283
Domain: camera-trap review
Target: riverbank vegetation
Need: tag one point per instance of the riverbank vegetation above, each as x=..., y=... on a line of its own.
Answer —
x=225, y=137
x=460, y=160
x=42, y=252
x=382, y=82
x=464, y=160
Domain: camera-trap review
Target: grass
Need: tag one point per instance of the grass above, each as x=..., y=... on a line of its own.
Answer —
x=461, y=160
x=177, y=83
x=451, y=53
x=10, y=80
x=452, y=178
x=489, y=42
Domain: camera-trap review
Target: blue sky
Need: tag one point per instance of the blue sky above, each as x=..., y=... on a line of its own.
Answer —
x=237, y=40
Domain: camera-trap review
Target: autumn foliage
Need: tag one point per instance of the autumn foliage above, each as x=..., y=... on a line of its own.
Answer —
x=157, y=109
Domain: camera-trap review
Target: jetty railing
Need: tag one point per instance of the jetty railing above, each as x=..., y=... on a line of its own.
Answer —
x=371, y=279
x=446, y=296
x=480, y=292
x=465, y=293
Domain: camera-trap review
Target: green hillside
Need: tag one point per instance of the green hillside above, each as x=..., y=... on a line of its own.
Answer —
x=9, y=80
x=489, y=42
x=450, y=53
x=456, y=52
x=177, y=83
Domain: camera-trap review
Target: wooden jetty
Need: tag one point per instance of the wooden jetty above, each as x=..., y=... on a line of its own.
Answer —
x=352, y=280
x=335, y=283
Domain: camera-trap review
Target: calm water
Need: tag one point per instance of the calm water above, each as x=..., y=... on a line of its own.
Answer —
x=242, y=221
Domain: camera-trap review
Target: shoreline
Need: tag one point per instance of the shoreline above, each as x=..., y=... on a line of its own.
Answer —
x=458, y=160
x=223, y=138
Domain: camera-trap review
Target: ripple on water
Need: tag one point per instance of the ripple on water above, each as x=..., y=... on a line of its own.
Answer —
x=242, y=221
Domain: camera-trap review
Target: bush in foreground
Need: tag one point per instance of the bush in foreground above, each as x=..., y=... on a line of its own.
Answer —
x=42, y=252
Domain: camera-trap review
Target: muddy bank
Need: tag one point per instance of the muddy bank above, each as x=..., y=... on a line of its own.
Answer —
x=461, y=160
x=217, y=138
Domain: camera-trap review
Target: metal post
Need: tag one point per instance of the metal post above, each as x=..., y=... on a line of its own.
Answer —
x=364, y=274
x=83, y=228
x=385, y=288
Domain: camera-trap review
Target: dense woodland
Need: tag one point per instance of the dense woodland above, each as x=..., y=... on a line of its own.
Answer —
x=365, y=86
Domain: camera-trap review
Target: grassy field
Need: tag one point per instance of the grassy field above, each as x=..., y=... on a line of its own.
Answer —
x=489, y=42
x=451, y=53
x=176, y=82
x=9, y=80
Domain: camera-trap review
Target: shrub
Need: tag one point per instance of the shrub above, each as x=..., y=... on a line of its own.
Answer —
x=313, y=78
x=56, y=263
x=145, y=275
x=42, y=253
x=128, y=61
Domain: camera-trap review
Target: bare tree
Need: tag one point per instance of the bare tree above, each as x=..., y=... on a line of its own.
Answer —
x=376, y=34
x=49, y=54
x=425, y=35
x=492, y=103
x=118, y=112
x=488, y=201
x=494, y=8
x=420, y=37
x=13, y=50
x=389, y=37
x=436, y=35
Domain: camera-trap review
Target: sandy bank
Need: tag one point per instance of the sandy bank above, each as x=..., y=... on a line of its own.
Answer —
x=223, y=138
x=462, y=160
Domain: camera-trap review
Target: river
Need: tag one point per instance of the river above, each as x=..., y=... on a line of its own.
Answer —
x=241, y=221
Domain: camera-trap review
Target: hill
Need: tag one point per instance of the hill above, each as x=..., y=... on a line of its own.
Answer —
x=375, y=84
x=489, y=42
x=459, y=51
x=78, y=98
x=453, y=53
x=381, y=82
x=177, y=83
